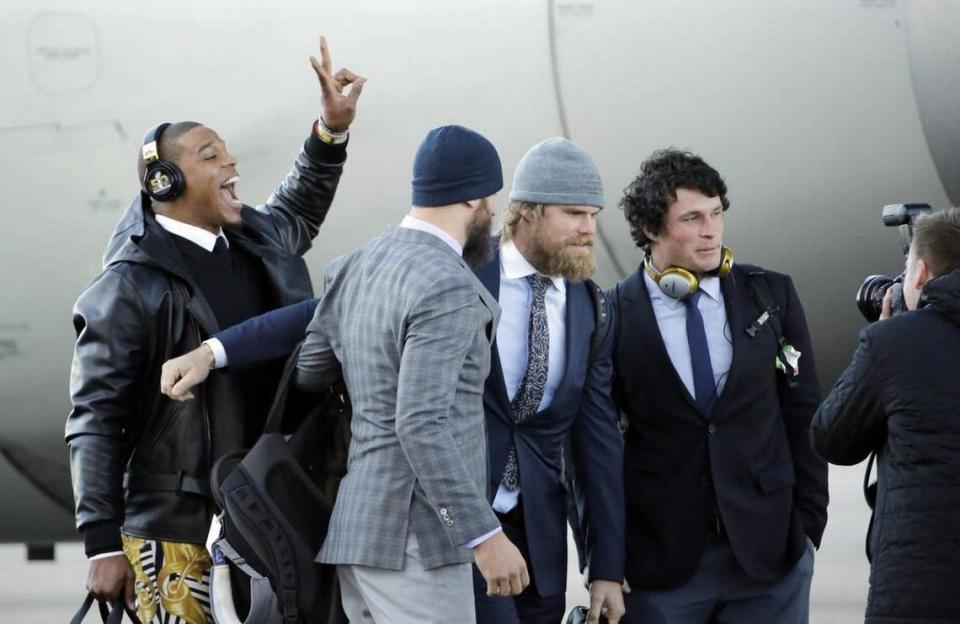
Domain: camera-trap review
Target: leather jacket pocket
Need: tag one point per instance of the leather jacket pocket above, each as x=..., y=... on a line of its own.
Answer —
x=153, y=435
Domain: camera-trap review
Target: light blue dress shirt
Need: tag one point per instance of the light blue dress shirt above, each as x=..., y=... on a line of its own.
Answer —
x=515, y=299
x=671, y=317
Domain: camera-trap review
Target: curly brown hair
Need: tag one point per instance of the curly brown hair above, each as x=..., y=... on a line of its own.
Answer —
x=647, y=198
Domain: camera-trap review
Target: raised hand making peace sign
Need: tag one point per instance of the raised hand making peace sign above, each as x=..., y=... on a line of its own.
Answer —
x=340, y=91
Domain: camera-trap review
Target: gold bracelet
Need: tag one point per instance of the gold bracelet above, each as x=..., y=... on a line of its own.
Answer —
x=326, y=134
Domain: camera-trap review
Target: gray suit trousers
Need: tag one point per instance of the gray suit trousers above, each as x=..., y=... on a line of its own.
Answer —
x=413, y=595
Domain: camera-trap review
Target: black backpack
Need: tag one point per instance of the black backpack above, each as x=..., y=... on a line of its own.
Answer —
x=276, y=500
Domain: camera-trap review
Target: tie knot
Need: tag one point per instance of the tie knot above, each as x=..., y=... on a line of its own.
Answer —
x=220, y=247
x=539, y=284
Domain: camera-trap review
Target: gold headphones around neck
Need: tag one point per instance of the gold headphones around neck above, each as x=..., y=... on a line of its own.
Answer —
x=680, y=283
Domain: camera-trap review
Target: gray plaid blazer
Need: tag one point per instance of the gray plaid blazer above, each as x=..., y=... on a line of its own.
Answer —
x=411, y=326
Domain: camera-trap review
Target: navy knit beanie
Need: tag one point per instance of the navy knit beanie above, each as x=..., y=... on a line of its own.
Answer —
x=455, y=164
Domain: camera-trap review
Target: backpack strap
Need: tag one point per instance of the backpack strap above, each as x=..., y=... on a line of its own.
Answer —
x=274, y=422
x=760, y=289
x=601, y=316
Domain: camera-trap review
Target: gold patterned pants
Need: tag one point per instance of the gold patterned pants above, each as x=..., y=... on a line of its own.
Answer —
x=173, y=580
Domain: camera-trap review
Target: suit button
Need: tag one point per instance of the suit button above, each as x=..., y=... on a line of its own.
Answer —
x=443, y=512
x=712, y=429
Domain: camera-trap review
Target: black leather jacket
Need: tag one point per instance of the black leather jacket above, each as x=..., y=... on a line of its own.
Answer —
x=138, y=459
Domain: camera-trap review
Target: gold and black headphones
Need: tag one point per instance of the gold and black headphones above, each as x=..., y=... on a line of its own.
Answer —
x=163, y=180
x=680, y=283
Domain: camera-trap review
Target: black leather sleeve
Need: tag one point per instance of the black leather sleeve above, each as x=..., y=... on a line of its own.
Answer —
x=851, y=422
x=797, y=406
x=300, y=204
x=104, y=383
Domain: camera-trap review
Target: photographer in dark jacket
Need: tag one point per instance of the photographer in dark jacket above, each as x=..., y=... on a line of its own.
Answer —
x=182, y=264
x=900, y=396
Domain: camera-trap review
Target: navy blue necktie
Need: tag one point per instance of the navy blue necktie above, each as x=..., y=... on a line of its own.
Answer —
x=705, y=388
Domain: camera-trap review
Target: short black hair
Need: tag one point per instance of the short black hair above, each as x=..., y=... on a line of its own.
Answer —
x=647, y=199
x=168, y=148
x=936, y=239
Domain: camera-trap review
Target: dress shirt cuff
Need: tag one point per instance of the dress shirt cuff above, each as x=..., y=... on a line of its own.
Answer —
x=505, y=500
x=219, y=353
x=112, y=553
x=476, y=542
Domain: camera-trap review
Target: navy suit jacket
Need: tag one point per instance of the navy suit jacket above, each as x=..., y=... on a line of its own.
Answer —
x=581, y=408
x=751, y=459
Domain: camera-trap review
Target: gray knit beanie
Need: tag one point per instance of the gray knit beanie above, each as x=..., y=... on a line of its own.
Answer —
x=557, y=171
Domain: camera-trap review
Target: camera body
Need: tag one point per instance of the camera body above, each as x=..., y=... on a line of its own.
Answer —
x=871, y=293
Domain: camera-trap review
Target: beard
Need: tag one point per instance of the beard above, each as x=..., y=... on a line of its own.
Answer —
x=476, y=249
x=575, y=264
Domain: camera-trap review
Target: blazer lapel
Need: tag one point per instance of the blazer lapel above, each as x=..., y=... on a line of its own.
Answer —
x=489, y=272
x=736, y=302
x=638, y=318
x=579, y=328
x=489, y=275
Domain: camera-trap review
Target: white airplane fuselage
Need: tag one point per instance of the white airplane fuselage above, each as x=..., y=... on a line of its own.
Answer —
x=817, y=113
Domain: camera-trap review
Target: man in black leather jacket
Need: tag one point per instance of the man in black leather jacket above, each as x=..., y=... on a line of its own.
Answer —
x=900, y=397
x=174, y=272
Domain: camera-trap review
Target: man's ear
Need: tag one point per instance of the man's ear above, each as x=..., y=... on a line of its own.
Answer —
x=473, y=203
x=923, y=274
x=650, y=235
x=532, y=212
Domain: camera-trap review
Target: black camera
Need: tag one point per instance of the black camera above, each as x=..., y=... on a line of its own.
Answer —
x=871, y=292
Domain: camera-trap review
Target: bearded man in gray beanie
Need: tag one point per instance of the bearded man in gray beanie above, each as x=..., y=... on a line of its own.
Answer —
x=549, y=380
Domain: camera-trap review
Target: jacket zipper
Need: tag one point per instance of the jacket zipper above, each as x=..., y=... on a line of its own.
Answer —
x=202, y=397
x=203, y=403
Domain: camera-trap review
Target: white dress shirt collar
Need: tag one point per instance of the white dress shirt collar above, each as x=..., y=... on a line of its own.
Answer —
x=710, y=285
x=414, y=223
x=515, y=266
x=192, y=233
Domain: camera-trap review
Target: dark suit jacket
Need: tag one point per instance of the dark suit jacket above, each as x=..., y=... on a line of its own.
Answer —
x=582, y=408
x=899, y=396
x=751, y=460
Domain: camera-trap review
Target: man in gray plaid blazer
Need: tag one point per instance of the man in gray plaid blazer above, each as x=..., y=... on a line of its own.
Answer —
x=411, y=326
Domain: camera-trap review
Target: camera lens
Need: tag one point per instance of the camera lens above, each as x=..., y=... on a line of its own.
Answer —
x=870, y=296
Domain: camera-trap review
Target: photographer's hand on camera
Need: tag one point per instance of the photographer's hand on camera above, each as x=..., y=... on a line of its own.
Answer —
x=887, y=310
